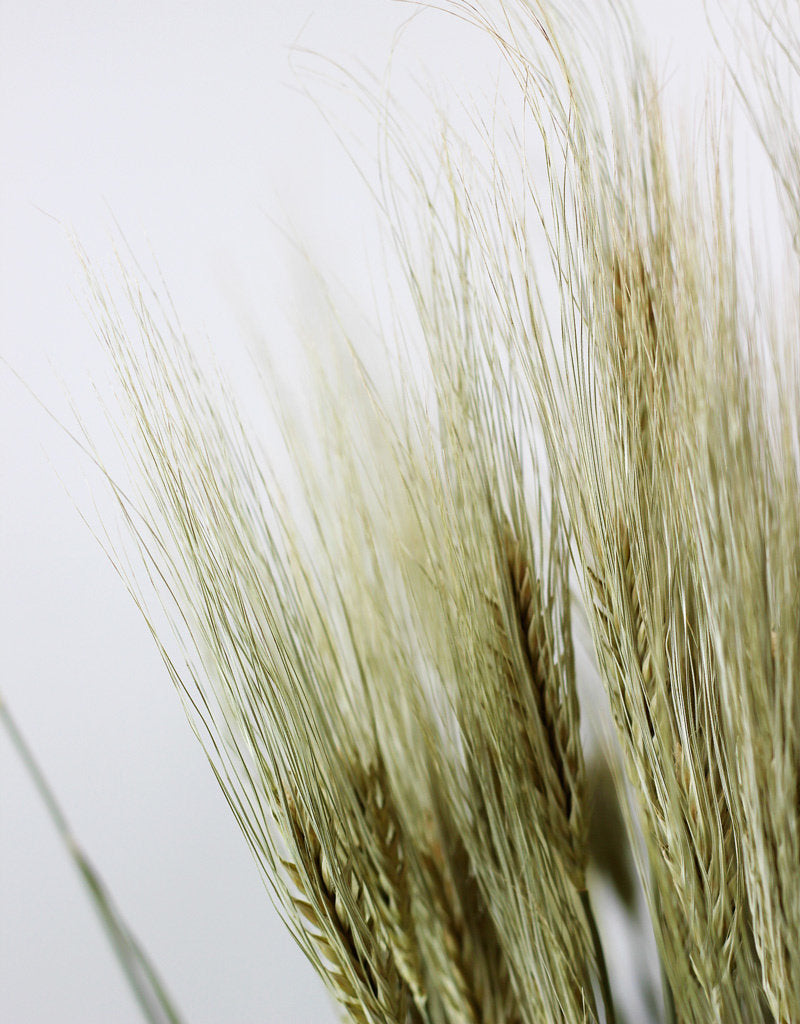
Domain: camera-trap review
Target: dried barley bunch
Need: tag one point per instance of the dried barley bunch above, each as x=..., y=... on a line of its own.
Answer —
x=383, y=666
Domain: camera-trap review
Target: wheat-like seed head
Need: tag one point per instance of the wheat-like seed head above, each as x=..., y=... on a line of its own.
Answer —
x=391, y=896
x=637, y=352
x=547, y=706
x=472, y=975
x=363, y=932
x=365, y=981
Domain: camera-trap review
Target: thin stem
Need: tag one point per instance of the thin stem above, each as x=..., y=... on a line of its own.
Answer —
x=37, y=775
x=602, y=970
x=142, y=977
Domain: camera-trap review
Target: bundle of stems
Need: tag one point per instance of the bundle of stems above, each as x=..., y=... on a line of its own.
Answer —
x=594, y=417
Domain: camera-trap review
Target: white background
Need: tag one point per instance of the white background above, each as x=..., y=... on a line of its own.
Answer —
x=185, y=121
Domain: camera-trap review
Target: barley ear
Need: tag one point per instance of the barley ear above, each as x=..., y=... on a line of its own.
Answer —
x=471, y=972
x=393, y=905
x=546, y=702
x=333, y=910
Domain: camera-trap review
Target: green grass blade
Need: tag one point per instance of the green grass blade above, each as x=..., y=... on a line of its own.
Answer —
x=148, y=989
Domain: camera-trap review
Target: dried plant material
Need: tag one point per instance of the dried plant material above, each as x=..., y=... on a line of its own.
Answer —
x=638, y=355
x=364, y=936
x=392, y=894
x=547, y=705
x=367, y=985
x=384, y=662
x=472, y=974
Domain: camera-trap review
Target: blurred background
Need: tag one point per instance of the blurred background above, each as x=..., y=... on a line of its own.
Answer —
x=189, y=125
